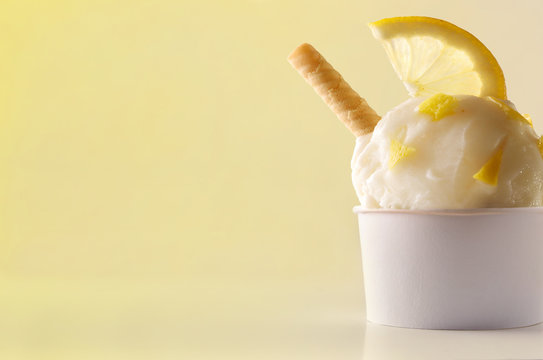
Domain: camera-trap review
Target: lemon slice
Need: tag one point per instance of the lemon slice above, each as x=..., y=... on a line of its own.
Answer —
x=433, y=56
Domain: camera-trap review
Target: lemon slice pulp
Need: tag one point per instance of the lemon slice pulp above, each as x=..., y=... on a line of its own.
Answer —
x=433, y=56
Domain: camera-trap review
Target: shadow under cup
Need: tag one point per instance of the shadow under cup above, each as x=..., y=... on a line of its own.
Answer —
x=453, y=269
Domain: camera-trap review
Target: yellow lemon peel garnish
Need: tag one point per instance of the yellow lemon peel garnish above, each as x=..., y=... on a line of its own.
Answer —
x=398, y=151
x=438, y=106
x=540, y=145
x=489, y=172
x=510, y=112
x=529, y=119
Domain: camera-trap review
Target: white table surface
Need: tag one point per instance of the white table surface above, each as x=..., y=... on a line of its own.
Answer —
x=223, y=319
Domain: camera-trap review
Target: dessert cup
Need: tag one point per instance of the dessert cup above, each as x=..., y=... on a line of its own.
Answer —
x=453, y=269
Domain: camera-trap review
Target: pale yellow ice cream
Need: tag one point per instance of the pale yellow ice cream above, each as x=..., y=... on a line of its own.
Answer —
x=459, y=152
x=436, y=150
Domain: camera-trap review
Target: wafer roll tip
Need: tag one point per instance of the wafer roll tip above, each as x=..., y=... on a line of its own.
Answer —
x=349, y=107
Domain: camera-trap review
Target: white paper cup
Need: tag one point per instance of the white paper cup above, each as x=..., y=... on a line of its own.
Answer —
x=453, y=269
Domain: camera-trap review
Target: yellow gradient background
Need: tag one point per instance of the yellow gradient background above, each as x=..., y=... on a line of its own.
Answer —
x=162, y=157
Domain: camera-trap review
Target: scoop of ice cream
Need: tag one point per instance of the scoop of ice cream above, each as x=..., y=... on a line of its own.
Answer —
x=449, y=153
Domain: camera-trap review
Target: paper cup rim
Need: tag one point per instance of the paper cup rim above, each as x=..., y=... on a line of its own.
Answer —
x=450, y=212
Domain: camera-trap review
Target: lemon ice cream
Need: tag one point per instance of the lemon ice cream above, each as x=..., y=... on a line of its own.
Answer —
x=449, y=152
x=457, y=143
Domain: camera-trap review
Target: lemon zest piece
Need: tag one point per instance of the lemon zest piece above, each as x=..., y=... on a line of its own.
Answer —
x=438, y=106
x=540, y=145
x=509, y=111
x=398, y=151
x=529, y=119
x=490, y=170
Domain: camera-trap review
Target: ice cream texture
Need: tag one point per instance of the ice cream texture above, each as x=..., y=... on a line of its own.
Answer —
x=457, y=143
x=475, y=155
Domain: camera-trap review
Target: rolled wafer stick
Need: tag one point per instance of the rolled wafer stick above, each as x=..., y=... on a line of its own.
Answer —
x=349, y=107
